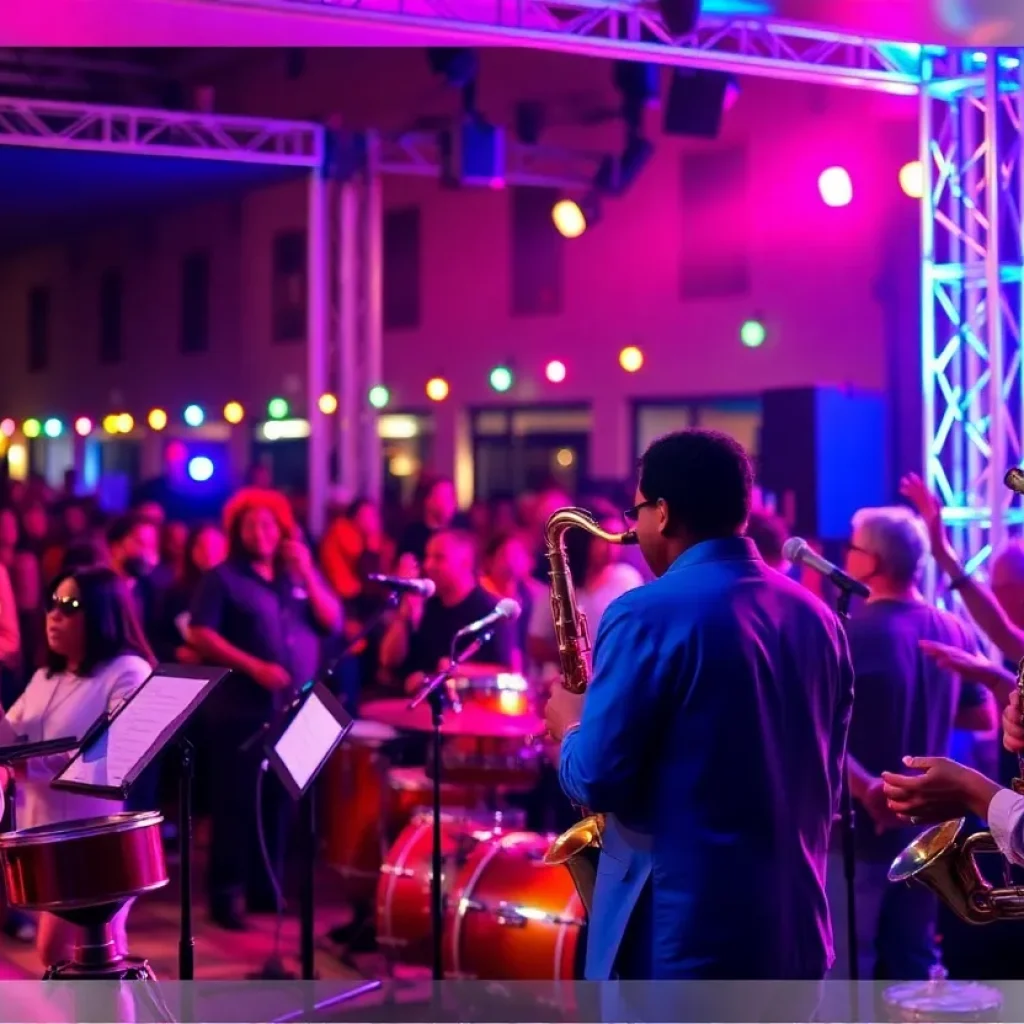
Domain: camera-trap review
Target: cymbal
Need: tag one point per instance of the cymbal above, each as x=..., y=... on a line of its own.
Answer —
x=470, y=721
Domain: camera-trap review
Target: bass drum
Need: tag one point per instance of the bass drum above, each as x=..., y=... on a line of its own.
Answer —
x=514, y=917
x=403, y=890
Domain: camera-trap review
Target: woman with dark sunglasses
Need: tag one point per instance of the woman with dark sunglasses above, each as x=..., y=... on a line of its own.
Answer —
x=96, y=656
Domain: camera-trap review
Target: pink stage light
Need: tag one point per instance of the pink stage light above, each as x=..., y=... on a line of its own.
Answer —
x=83, y=426
x=912, y=179
x=555, y=371
x=835, y=187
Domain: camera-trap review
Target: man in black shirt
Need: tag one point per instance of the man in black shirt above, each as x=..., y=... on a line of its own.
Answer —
x=419, y=639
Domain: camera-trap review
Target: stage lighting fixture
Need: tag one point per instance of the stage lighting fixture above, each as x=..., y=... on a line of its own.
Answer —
x=836, y=187
x=32, y=428
x=912, y=179
x=194, y=415
x=110, y=423
x=277, y=409
x=233, y=412
x=157, y=419
x=379, y=396
x=328, y=404
x=200, y=469
x=53, y=427
x=83, y=426
x=126, y=423
x=8, y=427
x=572, y=217
x=617, y=173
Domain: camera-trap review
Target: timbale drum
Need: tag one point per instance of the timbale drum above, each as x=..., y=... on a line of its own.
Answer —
x=78, y=865
x=512, y=917
x=403, y=890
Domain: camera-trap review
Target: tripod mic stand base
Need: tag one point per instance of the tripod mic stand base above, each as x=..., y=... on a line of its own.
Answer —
x=127, y=968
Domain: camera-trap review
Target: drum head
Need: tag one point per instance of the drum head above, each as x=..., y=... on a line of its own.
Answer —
x=83, y=828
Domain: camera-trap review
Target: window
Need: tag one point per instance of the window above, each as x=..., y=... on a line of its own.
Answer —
x=38, y=329
x=110, y=317
x=288, y=291
x=401, y=278
x=195, y=302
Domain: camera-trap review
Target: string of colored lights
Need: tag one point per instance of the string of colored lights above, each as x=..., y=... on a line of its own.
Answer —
x=752, y=334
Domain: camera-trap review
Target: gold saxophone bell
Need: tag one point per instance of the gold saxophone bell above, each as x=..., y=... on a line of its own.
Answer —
x=942, y=859
x=578, y=847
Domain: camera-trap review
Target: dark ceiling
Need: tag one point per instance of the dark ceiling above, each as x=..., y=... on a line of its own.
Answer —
x=48, y=195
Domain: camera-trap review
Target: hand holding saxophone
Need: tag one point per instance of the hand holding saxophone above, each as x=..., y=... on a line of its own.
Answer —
x=562, y=711
x=945, y=789
x=1013, y=725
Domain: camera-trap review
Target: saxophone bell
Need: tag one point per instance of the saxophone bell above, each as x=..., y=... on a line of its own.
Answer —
x=577, y=848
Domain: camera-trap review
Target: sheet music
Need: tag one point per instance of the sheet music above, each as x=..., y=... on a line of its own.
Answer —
x=160, y=701
x=308, y=739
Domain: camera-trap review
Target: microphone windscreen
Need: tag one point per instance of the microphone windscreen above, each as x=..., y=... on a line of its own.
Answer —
x=509, y=609
x=428, y=587
x=793, y=549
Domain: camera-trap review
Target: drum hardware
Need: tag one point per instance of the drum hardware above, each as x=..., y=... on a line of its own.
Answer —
x=43, y=871
x=939, y=999
x=435, y=694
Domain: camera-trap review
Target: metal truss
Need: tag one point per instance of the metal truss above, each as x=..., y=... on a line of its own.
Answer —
x=88, y=127
x=631, y=30
x=972, y=298
x=419, y=153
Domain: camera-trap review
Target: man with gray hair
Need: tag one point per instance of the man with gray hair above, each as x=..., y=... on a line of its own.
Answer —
x=903, y=702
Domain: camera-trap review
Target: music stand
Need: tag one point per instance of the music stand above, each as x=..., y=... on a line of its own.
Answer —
x=298, y=746
x=122, y=745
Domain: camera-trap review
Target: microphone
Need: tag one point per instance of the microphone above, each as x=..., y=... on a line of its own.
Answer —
x=507, y=609
x=1014, y=479
x=799, y=552
x=422, y=588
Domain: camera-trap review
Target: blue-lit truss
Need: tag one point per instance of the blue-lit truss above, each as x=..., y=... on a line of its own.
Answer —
x=971, y=130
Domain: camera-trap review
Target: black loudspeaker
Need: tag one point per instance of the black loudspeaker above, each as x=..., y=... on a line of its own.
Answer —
x=823, y=454
x=696, y=102
x=679, y=16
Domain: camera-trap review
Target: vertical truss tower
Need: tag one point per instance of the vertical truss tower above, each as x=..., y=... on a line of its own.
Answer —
x=972, y=297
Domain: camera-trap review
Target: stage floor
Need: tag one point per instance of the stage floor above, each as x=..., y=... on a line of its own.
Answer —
x=153, y=930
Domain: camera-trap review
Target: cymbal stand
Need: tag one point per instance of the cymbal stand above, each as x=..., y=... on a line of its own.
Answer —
x=435, y=691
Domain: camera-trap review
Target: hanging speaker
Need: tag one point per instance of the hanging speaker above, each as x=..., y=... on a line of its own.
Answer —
x=679, y=16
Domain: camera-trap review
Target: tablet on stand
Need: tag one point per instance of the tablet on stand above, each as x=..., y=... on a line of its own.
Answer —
x=124, y=743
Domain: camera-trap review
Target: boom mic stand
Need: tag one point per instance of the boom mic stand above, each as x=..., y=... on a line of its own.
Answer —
x=849, y=843
x=435, y=692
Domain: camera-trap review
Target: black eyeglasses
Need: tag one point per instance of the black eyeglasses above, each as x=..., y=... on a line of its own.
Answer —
x=631, y=515
x=64, y=605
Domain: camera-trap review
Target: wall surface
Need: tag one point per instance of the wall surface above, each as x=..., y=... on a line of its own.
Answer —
x=812, y=274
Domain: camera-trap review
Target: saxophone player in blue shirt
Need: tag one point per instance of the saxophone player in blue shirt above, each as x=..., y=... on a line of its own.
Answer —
x=712, y=737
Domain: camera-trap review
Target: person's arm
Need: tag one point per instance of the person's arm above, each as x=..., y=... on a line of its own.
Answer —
x=976, y=710
x=602, y=757
x=206, y=618
x=323, y=605
x=1005, y=818
x=396, y=644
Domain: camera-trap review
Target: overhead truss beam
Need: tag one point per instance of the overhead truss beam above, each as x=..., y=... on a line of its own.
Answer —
x=635, y=31
x=88, y=127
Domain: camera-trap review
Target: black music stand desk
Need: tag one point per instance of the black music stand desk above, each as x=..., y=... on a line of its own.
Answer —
x=124, y=743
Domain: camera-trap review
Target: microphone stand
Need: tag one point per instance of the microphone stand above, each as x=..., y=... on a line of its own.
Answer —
x=849, y=844
x=435, y=692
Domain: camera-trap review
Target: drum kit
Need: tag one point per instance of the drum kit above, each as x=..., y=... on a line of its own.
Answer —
x=507, y=915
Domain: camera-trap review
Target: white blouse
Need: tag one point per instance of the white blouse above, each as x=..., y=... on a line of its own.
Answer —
x=60, y=705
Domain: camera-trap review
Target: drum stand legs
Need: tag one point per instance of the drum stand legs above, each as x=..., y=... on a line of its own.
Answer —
x=96, y=957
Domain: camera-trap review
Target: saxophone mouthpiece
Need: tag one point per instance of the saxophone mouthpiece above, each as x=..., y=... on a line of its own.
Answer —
x=1014, y=479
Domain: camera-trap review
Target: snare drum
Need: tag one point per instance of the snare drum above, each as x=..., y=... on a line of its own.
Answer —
x=510, y=764
x=403, y=892
x=513, y=918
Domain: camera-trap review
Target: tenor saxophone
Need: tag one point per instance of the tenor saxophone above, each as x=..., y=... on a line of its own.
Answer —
x=577, y=848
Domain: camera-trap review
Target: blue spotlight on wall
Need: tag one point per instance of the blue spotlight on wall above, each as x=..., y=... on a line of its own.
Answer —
x=194, y=416
x=200, y=469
